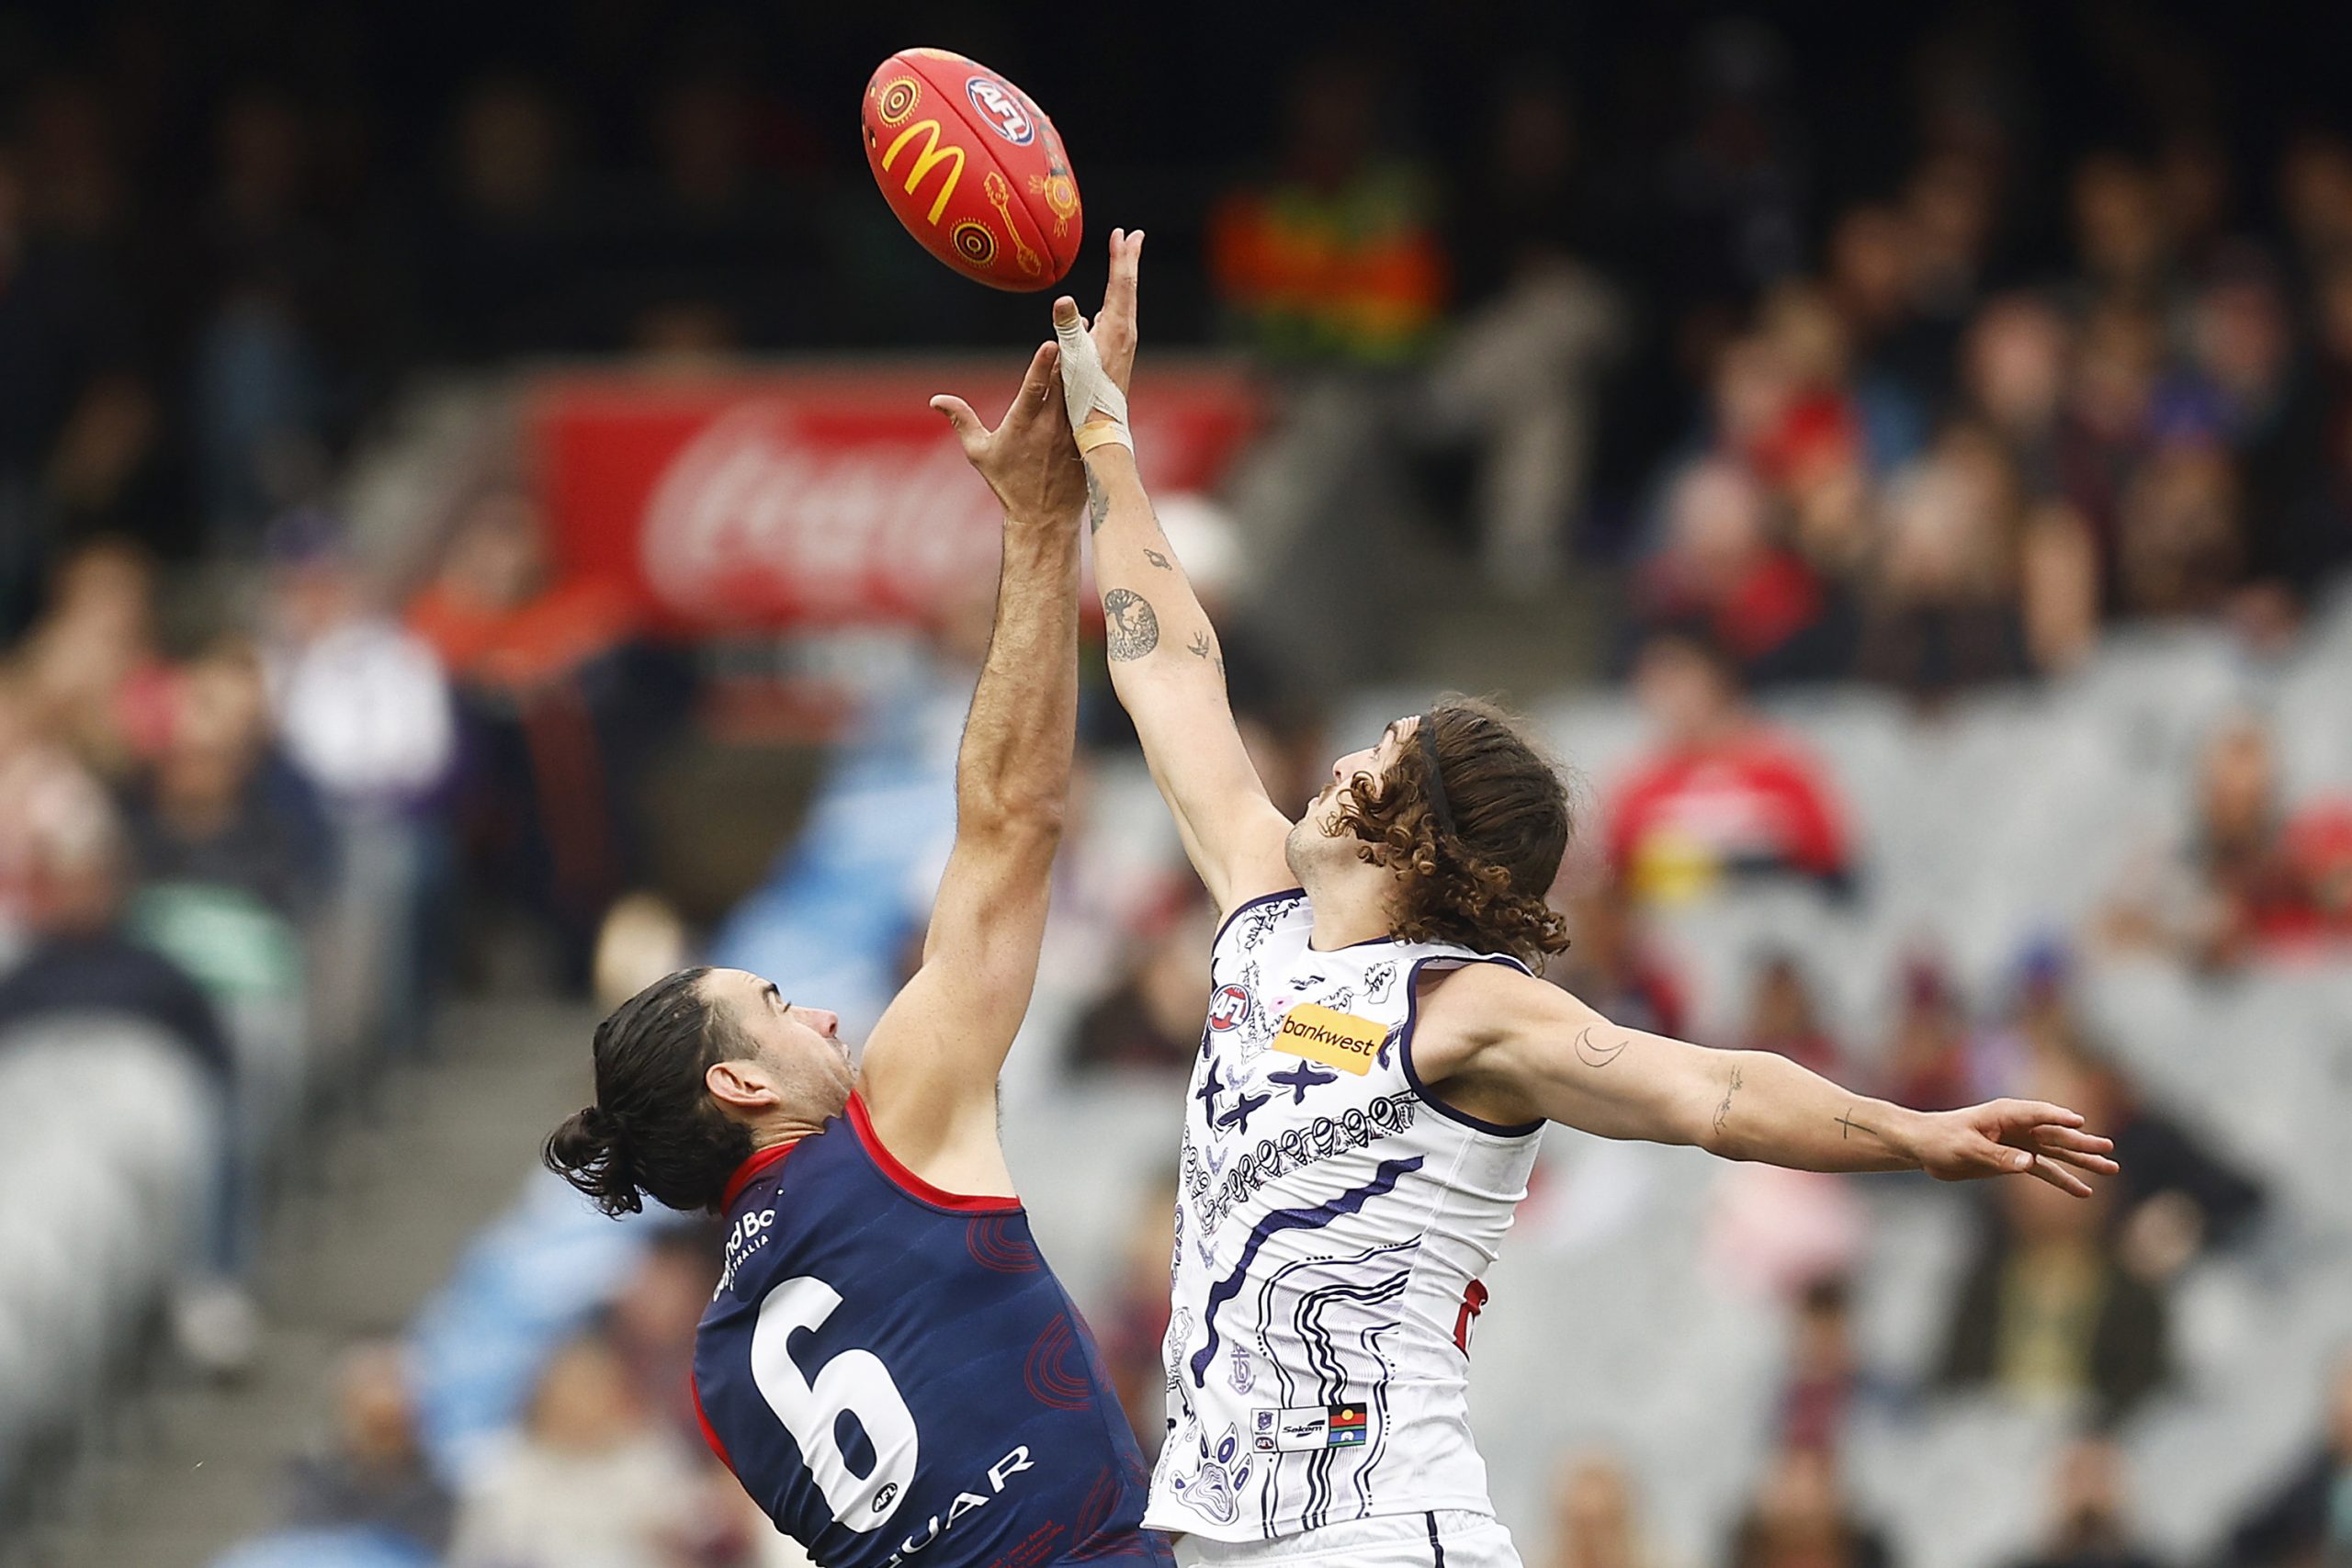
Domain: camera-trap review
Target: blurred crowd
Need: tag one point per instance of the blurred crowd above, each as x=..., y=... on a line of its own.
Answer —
x=1926, y=395
x=1930, y=404
x=1907, y=437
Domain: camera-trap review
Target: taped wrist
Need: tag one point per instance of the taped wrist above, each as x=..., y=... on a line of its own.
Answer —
x=1098, y=409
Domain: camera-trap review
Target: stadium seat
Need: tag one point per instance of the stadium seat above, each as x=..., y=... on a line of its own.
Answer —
x=103, y=1123
x=325, y=1549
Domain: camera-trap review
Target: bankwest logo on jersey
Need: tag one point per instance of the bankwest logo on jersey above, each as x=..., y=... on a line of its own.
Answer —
x=1338, y=1039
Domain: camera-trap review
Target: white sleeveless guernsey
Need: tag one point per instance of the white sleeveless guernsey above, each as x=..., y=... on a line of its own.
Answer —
x=1332, y=1220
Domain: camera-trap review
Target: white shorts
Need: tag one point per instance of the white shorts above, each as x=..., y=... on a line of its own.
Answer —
x=1447, y=1539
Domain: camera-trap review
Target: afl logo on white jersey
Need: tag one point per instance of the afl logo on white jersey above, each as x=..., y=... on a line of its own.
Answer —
x=1229, y=1007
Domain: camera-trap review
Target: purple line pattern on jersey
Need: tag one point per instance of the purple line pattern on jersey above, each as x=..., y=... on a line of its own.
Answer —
x=1351, y=1201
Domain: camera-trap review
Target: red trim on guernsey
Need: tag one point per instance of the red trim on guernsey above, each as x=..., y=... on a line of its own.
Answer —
x=750, y=1171
x=914, y=1186
x=708, y=1435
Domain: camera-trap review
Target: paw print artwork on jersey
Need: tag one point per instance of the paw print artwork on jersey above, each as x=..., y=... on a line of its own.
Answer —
x=1214, y=1489
x=1376, y=981
x=1389, y=1043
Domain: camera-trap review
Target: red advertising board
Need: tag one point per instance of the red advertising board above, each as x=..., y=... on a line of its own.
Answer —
x=815, y=495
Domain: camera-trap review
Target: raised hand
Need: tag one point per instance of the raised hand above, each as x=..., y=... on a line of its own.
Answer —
x=1098, y=363
x=1115, y=324
x=2013, y=1137
x=1029, y=460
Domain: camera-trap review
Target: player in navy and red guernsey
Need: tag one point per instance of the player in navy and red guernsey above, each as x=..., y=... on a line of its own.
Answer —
x=888, y=1365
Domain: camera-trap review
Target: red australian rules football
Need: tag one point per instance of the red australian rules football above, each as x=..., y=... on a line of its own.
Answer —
x=973, y=168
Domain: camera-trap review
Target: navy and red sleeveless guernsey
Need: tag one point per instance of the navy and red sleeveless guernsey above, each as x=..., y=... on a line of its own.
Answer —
x=896, y=1376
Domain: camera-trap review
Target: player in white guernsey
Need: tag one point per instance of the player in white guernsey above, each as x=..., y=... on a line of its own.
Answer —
x=1377, y=1065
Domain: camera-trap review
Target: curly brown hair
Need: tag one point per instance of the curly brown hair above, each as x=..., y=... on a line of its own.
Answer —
x=1481, y=881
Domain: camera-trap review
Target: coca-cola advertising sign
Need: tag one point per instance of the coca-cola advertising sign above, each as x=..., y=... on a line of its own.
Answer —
x=818, y=495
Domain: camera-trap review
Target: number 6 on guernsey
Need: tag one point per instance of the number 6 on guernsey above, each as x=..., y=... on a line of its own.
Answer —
x=855, y=1381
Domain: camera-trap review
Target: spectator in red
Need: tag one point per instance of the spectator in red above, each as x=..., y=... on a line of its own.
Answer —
x=2251, y=877
x=547, y=711
x=1722, y=566
x=1723, y=797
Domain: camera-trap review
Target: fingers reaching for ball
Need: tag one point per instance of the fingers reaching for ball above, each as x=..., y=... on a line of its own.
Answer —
x=1115, y=328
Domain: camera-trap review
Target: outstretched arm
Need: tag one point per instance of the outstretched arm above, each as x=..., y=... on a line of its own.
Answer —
x=1513, y=1049
x=1165, y=661
x=931, y=1068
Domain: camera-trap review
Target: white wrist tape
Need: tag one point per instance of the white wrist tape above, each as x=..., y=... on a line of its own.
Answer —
x=1098, y=409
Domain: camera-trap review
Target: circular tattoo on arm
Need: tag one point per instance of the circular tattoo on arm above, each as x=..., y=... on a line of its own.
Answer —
x=1130, y=627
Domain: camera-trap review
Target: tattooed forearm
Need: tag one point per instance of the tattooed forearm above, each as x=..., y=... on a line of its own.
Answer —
x=1130, y=628
x=1156, y=558
x=1597, y=1053
x=1847, y=1126
x=1722, y=1112
x=1098, y=501
x=1200, y=645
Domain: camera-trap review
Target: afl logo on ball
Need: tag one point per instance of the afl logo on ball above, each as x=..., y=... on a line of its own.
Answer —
x=1229, y=1008
x=1002, y=111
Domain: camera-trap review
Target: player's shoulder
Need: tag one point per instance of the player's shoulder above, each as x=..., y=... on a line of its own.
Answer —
x=1481, y=997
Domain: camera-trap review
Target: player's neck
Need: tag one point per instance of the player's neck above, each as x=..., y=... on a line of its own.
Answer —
x=1348, y=910
x=782, y=1126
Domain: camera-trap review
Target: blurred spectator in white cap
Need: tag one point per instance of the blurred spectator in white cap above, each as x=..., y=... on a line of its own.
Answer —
x=366, y=721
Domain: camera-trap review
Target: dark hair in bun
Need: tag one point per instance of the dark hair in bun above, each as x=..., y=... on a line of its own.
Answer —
x=654, y=1128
